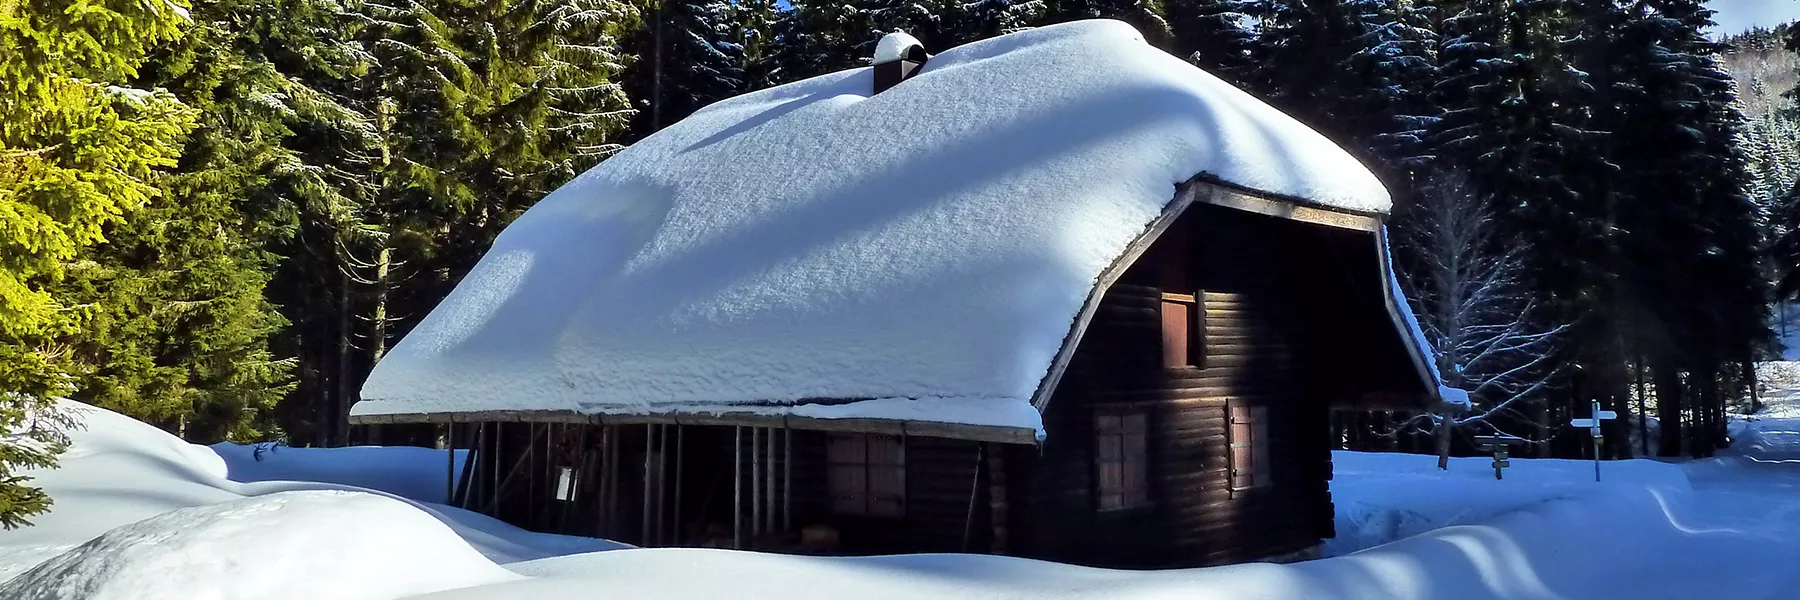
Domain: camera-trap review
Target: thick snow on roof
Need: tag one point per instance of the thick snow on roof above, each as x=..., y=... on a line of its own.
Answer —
x=932, y=243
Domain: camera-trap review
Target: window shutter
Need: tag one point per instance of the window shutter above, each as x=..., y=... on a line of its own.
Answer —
x=1134, y=451
x=1121, y=459
x=1242, y=436
x=1260, y=461
x=1176, y=327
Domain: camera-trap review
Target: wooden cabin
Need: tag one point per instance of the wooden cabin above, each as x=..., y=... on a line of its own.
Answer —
x=1183, y=419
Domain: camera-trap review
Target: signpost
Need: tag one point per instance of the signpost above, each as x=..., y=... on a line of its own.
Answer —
x=1500, y=446
x=1593, y=425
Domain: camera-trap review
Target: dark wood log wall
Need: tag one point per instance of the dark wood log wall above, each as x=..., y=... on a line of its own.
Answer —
x=948, y=499
x=1257, y=343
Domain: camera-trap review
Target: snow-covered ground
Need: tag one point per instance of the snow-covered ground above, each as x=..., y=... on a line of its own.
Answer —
x=142, y=515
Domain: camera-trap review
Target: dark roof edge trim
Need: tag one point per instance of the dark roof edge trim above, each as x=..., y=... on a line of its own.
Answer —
x=977, y=433
x=1412, y=344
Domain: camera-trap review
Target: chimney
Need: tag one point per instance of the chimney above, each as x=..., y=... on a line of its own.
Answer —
x=898, y=57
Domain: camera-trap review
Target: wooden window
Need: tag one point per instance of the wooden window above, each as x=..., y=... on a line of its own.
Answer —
x=1121, y=459
x=1249, y=438
x=1180, y=330
x=867, y=474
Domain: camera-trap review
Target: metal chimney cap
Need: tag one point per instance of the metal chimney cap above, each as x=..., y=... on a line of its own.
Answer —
x=898, y=46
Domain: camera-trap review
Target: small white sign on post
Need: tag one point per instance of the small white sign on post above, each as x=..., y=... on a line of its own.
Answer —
x=565, y=483
x=1593, y=426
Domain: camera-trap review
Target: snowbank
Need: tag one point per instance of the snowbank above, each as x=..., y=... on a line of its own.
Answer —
x=1617, y=542
x=142, y=515
x=119, y=471
x=1384, y=497
x=416, y=473
x=340, y=545
x=813, y=241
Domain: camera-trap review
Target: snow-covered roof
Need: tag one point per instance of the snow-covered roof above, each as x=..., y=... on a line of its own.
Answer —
x=928, y=245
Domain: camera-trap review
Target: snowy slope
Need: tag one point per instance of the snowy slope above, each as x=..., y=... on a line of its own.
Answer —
x=932, y=243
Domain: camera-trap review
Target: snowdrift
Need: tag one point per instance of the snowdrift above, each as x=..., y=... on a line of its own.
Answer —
x=1620, y=542
x=140, y=514
x=318, y=544
x=119, y=472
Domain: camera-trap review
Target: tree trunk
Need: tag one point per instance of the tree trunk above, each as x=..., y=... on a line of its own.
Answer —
x=381, y=298
x=1750, y=380
x=1643, y=415
x=337, y=422
x=1669, y=399
x=1440, y=436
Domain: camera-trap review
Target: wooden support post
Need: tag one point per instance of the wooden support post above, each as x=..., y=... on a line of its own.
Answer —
x=644, y=525
x=531, y=471
x=523, y=463
x=974, y=491
x=662, y=484
x=769, y=486
x=603, y=518
x=737, y=488
x=680, y=445
x=997, y=500
x=466, y=483
x=494, y=471
x=543, y=492
x=756, y=490
x=787, y=479
x=449, y=462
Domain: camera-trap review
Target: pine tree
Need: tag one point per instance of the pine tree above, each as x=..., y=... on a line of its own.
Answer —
x=815, y=37
x=690, y=55
x=476, y=111
x=1147, y=16
x=1215, y=35
x=1516, y=121
x=988, y=18
x=80, y=151
x=935, y=23
x=753, y=26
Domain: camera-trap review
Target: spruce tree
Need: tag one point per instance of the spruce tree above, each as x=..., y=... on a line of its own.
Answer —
x=935, y=23
x=476, y=111
x=753, y=28
x=815, y=37
x=1148, y=16
x=689, y=55
x=80, y=151
x=988, y=18
x=1215, y=35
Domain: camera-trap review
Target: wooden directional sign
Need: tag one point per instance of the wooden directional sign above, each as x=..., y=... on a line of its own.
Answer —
x=1593, y=425
x=1499, y=446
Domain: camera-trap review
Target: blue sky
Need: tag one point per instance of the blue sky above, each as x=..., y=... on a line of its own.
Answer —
x=1738, y=15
